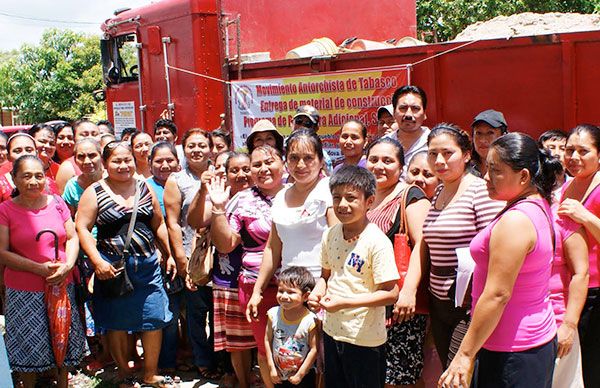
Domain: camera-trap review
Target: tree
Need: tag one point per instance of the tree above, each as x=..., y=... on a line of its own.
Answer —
x=449, y=17
x=54, y=79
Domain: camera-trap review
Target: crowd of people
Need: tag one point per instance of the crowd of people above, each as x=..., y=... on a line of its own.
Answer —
x=321, y=273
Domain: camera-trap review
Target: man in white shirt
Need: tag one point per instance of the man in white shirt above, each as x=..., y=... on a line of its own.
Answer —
x=409, y=104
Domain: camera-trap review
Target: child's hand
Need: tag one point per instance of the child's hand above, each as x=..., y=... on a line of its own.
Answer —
x=274, y=376
x=313, y=302
x=296, y=379
x=333, y=303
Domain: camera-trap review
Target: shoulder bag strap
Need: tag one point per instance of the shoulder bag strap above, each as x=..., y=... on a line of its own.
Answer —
x=136, y=202
x=403, y=220
x=400, y=223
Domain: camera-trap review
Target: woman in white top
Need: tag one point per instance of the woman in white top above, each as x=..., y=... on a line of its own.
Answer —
x=301, y=213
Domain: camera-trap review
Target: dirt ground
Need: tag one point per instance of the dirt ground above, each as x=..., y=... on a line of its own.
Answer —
x=106, y=379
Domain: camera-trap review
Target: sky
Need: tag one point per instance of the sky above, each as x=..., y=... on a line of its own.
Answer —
x=17, y=26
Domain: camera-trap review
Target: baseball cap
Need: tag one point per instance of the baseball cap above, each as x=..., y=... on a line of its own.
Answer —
x=492, y=117
x=309, y=111
x=385, y=108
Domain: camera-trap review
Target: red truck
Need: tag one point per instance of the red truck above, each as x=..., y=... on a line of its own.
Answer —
x=183, y=60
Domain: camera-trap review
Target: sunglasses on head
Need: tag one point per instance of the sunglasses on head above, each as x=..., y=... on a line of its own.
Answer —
x=116, y=143
x=304, y=122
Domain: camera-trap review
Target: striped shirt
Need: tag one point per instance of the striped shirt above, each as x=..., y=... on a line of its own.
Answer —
x=454, y=227
x=113, y=223
x=384, y=216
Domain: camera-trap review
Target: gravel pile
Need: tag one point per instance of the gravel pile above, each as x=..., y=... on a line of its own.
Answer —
x=528, y=23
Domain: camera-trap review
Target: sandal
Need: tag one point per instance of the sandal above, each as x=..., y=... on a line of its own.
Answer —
x=209, y=374
x=162, y=382
x=228, y=381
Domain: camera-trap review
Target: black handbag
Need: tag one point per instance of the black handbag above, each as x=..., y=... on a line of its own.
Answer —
x=115, y=287
x=172, y=286
x=120, y=285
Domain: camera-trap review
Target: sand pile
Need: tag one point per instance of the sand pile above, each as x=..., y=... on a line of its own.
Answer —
x=528, y=23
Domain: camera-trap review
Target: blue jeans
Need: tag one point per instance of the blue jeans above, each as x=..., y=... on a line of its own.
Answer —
x=168, y=348
x=353, y=366
x=199, y=311
x=532, y=368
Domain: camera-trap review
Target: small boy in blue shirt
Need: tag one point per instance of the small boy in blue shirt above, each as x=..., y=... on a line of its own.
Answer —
x=291, y=336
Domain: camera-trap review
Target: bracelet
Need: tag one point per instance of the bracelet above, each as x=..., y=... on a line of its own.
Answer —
x=218, y=212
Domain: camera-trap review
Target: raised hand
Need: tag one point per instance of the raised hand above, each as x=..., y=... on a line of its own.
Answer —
x=218, y=192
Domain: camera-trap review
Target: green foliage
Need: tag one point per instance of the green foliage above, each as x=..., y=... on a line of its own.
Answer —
x=53, y=79
x=449, y=17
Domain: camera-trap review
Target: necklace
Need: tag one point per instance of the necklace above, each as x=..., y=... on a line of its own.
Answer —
x=444, y=202
x=352, y=239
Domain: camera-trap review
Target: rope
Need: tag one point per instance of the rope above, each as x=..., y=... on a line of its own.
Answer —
x=445, y=52
x=198, y=74
x=349, y=70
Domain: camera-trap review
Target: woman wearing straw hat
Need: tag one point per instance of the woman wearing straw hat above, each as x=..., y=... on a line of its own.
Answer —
x=264, y=133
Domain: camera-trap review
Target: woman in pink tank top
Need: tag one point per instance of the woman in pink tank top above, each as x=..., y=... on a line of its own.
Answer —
x=580, y=204
x=513, y=330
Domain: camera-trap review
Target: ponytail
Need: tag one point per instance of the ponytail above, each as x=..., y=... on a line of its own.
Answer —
x=545, y=178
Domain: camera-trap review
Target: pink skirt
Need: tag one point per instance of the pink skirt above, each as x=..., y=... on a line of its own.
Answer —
x=269, y=300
